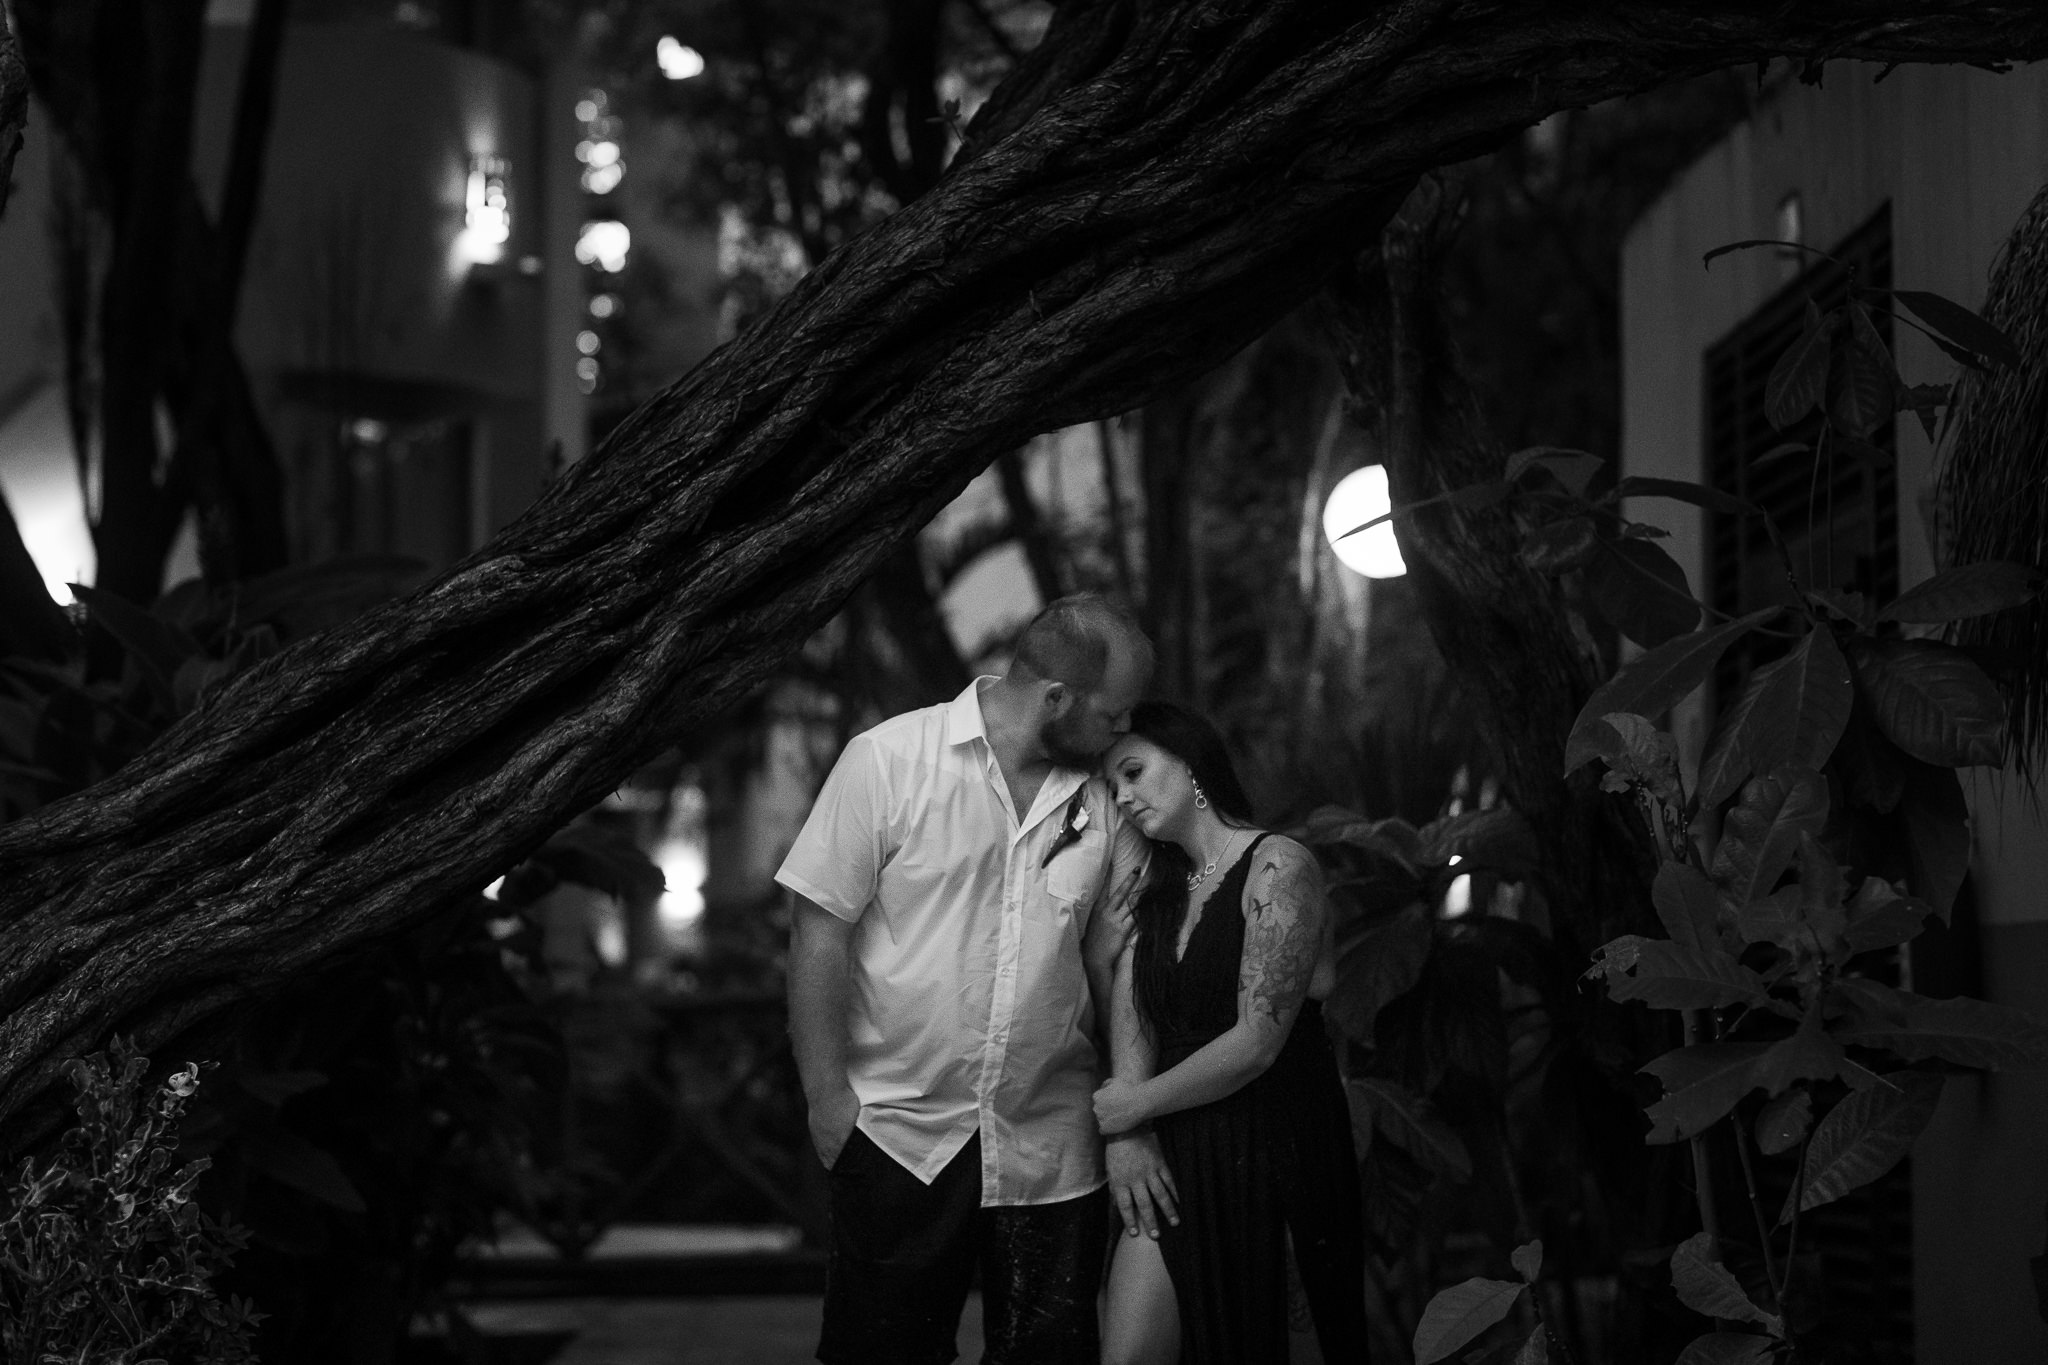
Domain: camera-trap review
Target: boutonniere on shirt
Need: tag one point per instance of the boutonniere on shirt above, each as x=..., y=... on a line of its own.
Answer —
x=1071, y=825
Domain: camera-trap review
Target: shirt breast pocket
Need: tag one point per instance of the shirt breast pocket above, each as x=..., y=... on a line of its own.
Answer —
x=1075, y=873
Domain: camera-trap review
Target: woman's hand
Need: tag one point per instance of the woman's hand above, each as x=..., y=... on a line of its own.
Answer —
x=1119, y=1107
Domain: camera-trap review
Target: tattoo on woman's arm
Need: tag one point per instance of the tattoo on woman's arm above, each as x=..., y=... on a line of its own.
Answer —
x=1282, y=937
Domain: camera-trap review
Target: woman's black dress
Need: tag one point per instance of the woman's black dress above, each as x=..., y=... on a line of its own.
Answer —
x=1272, y=1159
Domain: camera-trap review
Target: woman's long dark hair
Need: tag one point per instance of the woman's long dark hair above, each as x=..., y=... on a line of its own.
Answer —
x=1190, y=737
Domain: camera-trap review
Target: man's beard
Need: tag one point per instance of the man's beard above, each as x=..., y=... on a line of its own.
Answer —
x=1062, y=749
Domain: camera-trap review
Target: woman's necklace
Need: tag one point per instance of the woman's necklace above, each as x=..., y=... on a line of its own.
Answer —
x=1195, y=879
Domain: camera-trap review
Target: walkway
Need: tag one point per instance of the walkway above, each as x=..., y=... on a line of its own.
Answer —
x=765, y=1330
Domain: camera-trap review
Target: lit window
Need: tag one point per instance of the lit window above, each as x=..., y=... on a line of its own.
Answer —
x=487, y=210
x=586, y=368
x=367, y=431
x=604, y=305
x=678, y=62
x=600, y=153
x=586, y=110
x=604, y=179
x=587, y=342
x=604, y=243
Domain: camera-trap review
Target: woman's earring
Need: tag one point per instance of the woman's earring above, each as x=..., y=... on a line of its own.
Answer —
x=1201, y=801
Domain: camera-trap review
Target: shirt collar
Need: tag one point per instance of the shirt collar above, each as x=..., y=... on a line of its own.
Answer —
x=963, y=713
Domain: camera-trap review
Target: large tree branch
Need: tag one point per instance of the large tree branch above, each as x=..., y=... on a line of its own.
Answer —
x=1158, y=185
x=13, y=103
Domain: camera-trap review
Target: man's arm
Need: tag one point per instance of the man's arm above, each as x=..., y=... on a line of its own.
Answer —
x=820, y=950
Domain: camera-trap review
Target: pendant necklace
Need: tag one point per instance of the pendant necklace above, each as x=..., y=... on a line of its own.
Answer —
x=1195, y=879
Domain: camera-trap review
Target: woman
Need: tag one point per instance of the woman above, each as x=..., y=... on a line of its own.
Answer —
x=1217, y=1041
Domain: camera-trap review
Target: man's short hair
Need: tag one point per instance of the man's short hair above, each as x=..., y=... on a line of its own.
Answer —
x=1069, y=641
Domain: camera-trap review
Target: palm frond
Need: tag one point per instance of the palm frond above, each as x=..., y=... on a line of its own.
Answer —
x=1991, y=497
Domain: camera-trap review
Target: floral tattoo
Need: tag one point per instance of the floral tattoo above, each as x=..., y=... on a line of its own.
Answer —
x=1282, y=934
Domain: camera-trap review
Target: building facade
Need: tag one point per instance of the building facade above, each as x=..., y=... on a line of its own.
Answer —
x=412, y=299
x=1917, y=180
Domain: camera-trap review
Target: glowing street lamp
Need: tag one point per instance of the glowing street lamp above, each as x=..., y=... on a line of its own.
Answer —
x=1358, y=497
x=678, y=62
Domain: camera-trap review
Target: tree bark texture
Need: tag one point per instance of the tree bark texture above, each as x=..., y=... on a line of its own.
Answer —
x=13, y=104
x=1153, y=187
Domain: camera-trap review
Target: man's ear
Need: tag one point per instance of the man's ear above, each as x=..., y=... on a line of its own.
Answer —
x=1057, y=699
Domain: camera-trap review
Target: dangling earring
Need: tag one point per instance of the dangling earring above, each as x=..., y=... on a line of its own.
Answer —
x=1201, y=801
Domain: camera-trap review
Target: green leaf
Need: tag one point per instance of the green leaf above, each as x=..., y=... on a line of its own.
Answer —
x=1658, y=681
x=157, y=647
x=1780, y=451
x=1961, y=326
x=1706, y=1286
x=1783, y=1122
x=1699, y=495
x=1701, y=1083
x=1573, y=468
x=1793, y=711
x=275, y=1087
x=1727, y=1348
x=1931, y=700
x=1866, y=1135
x=1527, y=1260
x=1808, y=1055
x=1937, y=819
x=1761, y=834
x=1856, y=448
x=1865, y=378
x=1641, y=590
x=1671, y=976
x=1411, y=1123
x=1881, y=917
x=1391, y=838
x=1378, y=967
x=1961, y=1030
x=1570, y=543
x=1460, y=1313
x=1640, y=753
x=1536, y=1350
x=1499, y=840
x=1925, y=401
x=289, y=1159
x=1960, y=593
x=1687, y=906
x=1471, y=495
x=1798, y=380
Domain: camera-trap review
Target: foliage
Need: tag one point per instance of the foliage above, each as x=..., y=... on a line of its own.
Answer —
x=387, y=1110
x=105, y=1256
x=1821, y=829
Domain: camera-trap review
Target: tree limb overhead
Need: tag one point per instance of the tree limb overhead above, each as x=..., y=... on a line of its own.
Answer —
x=1156, y=185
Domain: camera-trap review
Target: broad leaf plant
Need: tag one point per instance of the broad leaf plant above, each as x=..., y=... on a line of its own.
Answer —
x=1821, y=830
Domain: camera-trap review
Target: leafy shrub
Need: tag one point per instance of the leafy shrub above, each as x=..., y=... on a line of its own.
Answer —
x=105, y=1258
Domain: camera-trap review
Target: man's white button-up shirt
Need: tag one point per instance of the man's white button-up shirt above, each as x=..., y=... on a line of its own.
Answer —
x=969, y=1007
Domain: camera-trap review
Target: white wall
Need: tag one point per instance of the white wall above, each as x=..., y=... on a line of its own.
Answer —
x=1958, y=153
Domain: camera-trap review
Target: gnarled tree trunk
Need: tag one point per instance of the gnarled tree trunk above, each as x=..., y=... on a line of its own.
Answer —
x=1154, y=186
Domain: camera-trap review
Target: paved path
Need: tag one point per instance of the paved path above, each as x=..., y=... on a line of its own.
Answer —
x=710, y=1331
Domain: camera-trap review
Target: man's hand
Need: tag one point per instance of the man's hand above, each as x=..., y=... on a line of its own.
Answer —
x=832, y=1118
x=1140, y=1184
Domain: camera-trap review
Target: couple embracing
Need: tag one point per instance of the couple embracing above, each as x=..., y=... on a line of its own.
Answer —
x=982, y=889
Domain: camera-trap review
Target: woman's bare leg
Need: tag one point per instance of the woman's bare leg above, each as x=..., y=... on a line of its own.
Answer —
x=1140, y=1315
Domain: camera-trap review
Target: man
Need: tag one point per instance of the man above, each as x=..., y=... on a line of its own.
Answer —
x=959, y=888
